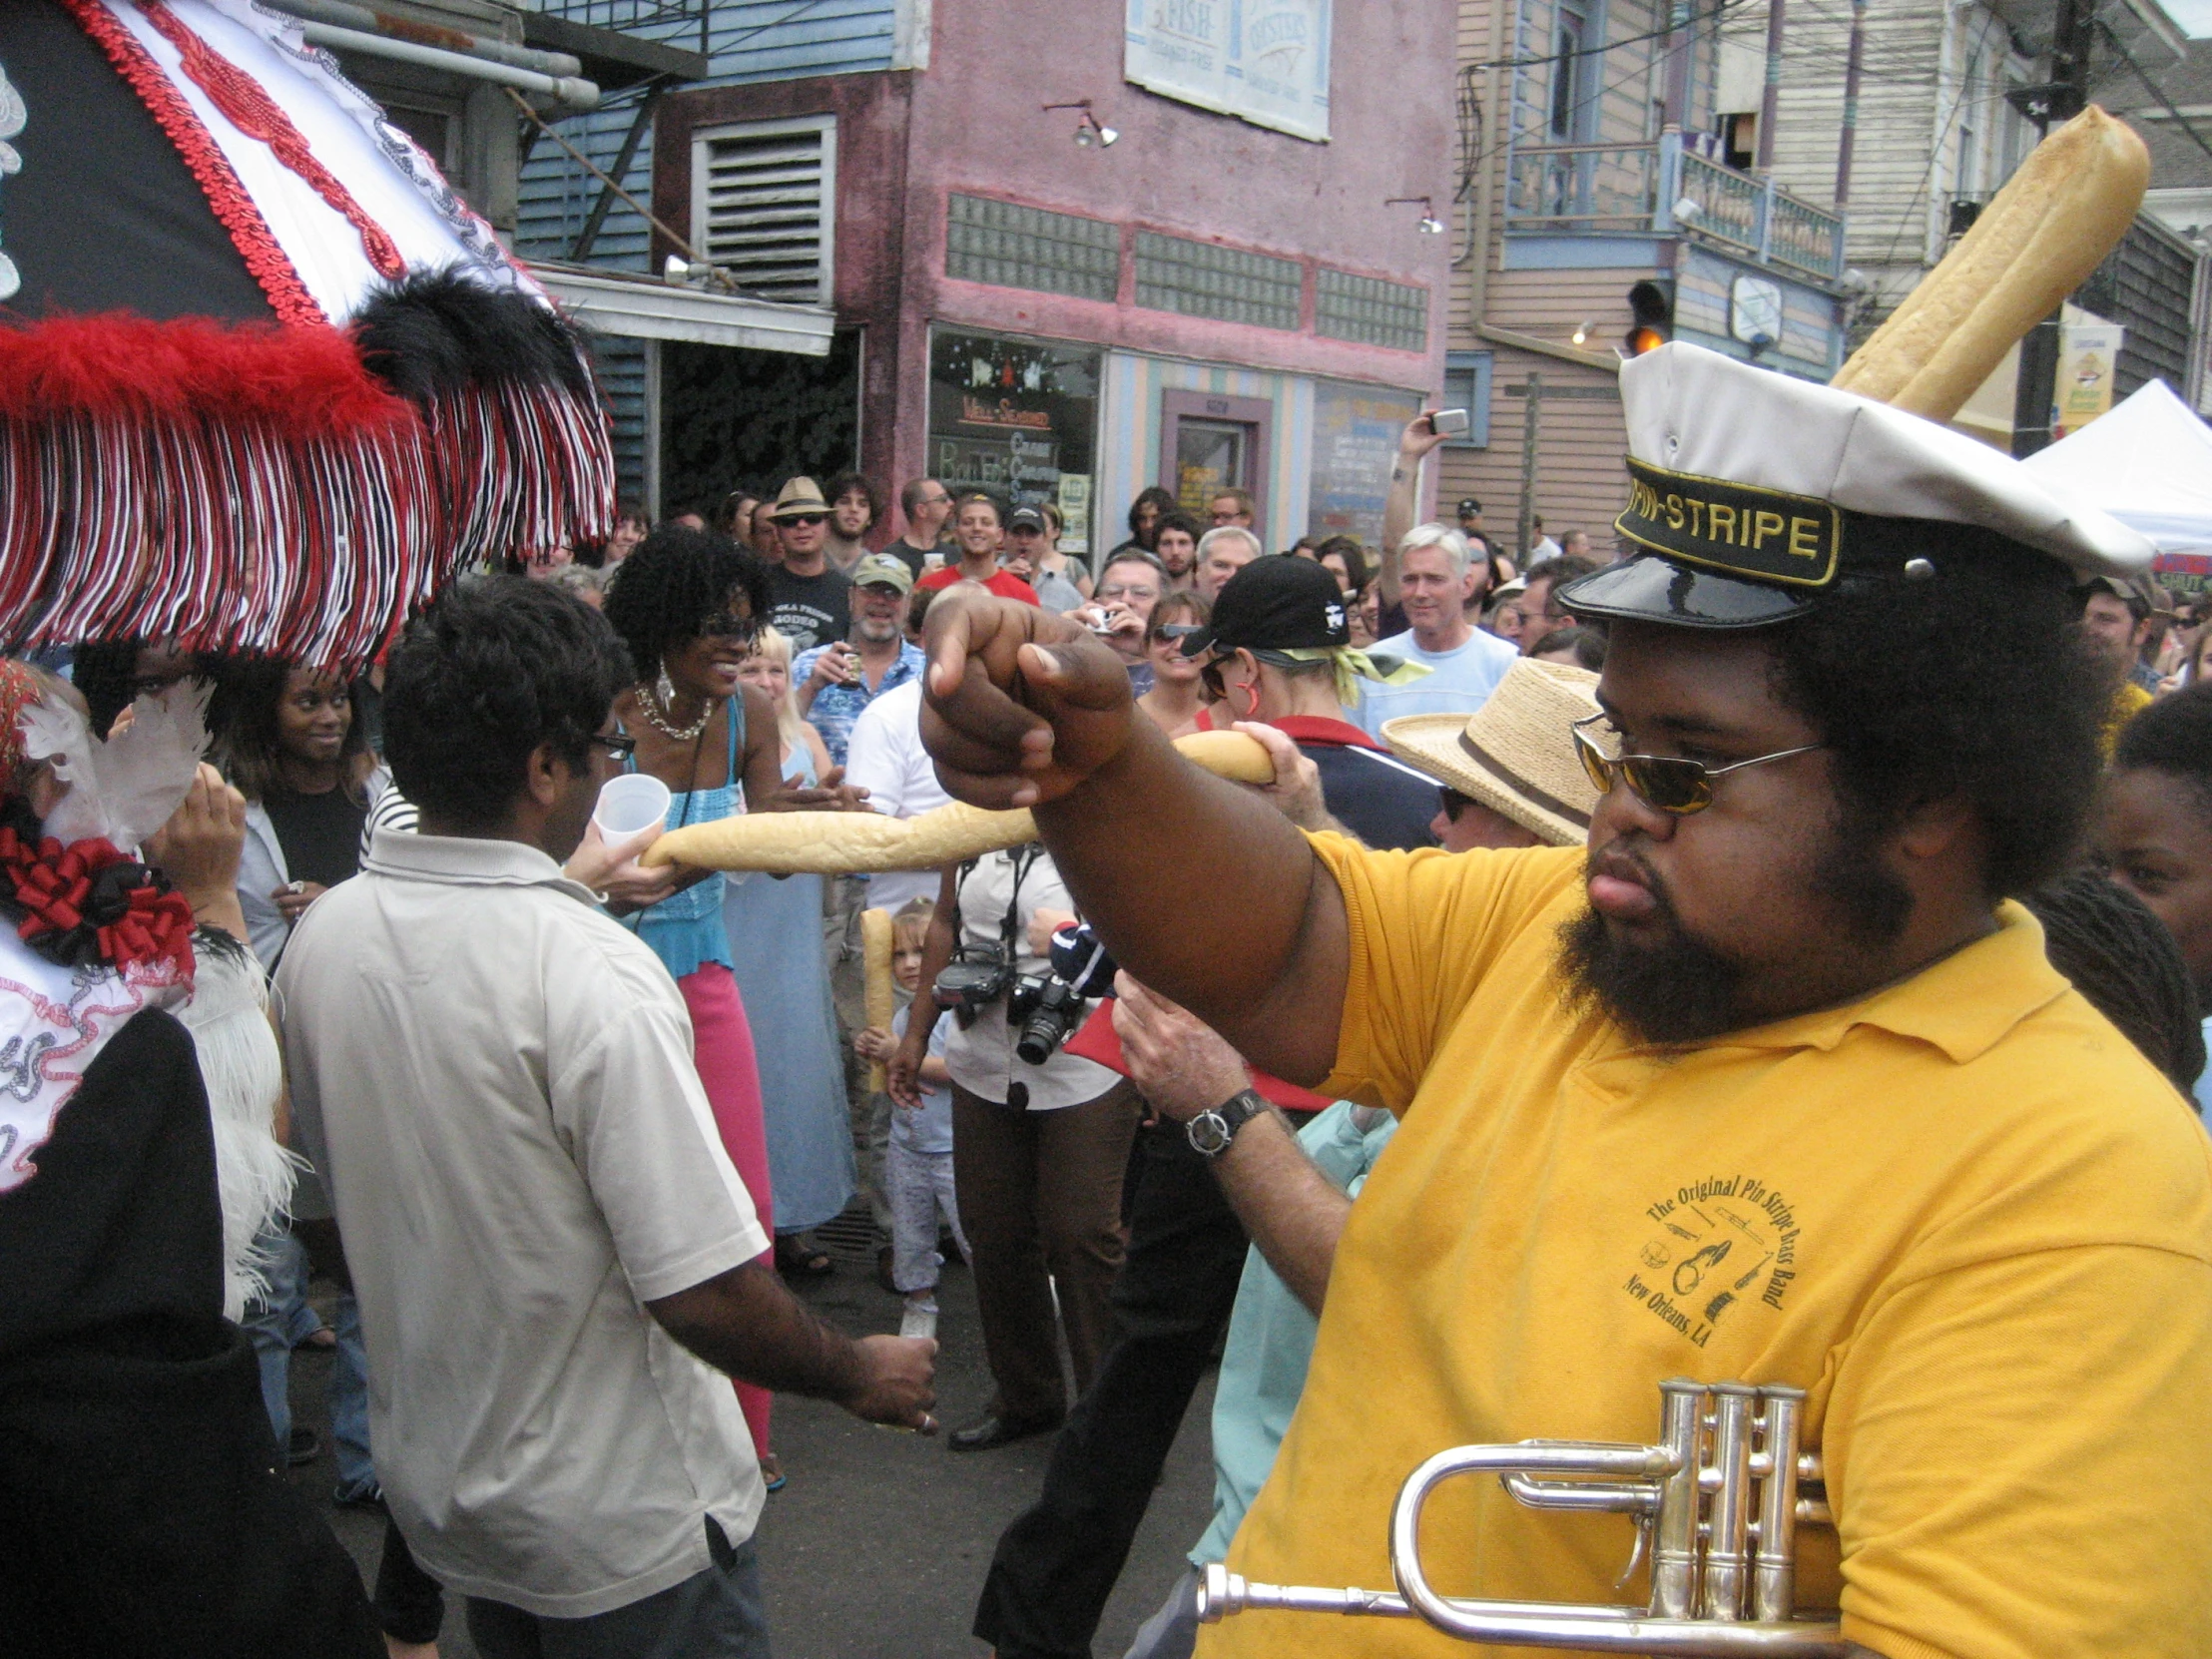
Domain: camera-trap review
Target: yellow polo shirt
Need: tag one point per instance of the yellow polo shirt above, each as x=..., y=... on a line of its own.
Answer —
x=1964, y=1213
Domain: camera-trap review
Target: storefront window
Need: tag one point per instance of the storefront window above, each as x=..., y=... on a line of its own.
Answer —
x=1019, y=418
x=1356, y=432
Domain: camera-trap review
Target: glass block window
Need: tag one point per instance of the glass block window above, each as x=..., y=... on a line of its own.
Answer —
x=1371, y=310
x=1029, y=248
x=1201, y=280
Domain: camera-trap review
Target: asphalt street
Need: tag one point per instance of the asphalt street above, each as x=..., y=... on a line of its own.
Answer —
x=877, y=1545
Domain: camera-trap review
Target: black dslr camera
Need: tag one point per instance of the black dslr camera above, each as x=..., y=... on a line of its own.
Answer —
x=1045, y=1009
x=976, y=977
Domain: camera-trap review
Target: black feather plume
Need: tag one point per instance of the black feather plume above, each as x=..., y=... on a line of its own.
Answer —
x=437, y=332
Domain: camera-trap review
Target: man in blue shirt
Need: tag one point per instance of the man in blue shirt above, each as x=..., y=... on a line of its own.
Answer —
x=836, y=682
x=1435, y=579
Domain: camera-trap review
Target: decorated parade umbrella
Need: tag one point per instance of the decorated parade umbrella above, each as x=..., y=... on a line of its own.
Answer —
x=265, y=381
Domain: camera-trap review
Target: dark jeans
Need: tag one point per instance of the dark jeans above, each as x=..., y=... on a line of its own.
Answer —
x=1040, y=1198
x=716, y=1614
x=1056, y=1564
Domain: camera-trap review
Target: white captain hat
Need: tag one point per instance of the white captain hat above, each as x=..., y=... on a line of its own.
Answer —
x=1751, y=494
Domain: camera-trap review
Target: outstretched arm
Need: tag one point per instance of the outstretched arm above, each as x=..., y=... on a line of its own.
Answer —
x=1198, y=886
x=1402, y=501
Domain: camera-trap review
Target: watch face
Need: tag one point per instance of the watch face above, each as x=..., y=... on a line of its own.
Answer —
x=1209, y=1133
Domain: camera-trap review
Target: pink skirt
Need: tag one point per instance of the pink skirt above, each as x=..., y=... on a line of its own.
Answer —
x=722, y=1048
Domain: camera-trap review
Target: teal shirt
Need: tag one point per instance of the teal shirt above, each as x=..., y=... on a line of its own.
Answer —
x=1270, y=1337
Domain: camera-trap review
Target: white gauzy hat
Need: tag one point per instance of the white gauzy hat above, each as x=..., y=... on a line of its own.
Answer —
x=1751, y=493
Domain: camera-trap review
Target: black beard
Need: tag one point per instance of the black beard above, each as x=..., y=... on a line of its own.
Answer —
x=1679, y=990
x=1682, y=990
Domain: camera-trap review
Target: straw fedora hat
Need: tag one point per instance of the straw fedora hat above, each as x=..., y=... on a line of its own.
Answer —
x=1515, y=753
x=798, y=495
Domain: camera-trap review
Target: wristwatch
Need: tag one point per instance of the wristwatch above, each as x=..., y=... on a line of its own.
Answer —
x=1211, y=1131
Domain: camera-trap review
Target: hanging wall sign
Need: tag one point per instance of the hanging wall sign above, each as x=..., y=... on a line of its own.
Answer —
x=1262, y=61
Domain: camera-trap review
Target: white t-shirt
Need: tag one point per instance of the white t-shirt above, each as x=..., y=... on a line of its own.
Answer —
x=1458, y=682
x=884, y=756
x=497, y=1081
x=981, y=1059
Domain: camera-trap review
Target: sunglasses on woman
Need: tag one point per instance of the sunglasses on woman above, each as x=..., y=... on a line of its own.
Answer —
x=1666, y=782
x=728, y=625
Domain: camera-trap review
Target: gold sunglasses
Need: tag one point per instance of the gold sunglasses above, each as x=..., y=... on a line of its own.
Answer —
x=1665, y=783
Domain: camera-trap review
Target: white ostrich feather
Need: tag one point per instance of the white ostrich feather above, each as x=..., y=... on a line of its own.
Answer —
x=228, y=1017
x=125, y=789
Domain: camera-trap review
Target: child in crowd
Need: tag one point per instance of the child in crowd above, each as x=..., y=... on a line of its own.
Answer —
x=919, y=1166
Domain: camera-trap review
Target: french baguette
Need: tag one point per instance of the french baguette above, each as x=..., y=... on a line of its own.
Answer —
x=876, y=962
x=2063, y=210
x=852, y=844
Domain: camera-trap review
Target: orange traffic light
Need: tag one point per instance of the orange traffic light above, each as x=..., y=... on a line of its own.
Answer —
x=1652, y=306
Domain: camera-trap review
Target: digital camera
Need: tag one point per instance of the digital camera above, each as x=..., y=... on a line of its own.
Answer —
x=1045, y=1010
x=976, y=977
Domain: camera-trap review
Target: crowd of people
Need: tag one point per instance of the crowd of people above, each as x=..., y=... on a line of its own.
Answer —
x=671, y=1079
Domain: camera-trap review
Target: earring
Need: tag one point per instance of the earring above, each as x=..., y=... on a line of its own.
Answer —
x=665, y=689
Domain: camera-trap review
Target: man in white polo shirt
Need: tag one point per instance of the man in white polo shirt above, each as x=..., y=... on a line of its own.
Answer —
x=553, y=1255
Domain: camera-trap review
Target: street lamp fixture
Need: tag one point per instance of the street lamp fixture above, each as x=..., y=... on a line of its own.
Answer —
x=1089, y=133
x=1430, y=224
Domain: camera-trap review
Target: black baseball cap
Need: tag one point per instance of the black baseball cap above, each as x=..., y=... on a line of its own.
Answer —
x=1276, y=603
x=1469, y=504
x=1026, y=518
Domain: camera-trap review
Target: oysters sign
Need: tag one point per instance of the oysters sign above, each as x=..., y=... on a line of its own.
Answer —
x=1263, y=61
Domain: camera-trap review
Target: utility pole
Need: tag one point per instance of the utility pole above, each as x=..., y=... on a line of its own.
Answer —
x=2064, y=99
x=1770, y=99
x=1681, y=47
x=1854, y=61
x=1532, y=415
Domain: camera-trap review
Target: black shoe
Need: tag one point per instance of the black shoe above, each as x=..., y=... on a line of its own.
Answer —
x=884, y=1270
x=999, y=1432
x=304, y=1447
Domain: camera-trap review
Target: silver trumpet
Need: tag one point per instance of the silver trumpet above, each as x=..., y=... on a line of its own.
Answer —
x=1718, y=1501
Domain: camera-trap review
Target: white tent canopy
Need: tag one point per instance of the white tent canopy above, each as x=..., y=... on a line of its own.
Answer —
x=2148, y=463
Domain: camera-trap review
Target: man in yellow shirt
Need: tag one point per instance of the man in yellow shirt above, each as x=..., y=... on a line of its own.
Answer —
x=1773, y=1085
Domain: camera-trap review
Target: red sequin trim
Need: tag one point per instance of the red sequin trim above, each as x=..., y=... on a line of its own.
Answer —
x=225, y=193
x=247, y=105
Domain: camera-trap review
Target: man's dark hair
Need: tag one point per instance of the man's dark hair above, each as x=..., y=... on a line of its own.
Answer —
x=1559, y=569
x=1973, y=683
x=2121, y=956
x=676, y=580
x=1587, y=644
x=1163, y=501
x=909, y=494
x=846, y=482
x=489, y=671
x=2173, y=735
x=1180, y=521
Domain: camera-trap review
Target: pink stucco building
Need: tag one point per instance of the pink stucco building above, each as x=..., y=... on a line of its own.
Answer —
x=1221, y=295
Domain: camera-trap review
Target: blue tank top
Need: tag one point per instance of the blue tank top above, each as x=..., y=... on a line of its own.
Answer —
x=686, y=929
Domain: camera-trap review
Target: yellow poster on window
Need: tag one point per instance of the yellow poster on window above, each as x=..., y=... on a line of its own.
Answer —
x=2087, y=356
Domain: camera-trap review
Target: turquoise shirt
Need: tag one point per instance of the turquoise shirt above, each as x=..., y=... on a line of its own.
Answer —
x=1270, y=1337
x=686, y=929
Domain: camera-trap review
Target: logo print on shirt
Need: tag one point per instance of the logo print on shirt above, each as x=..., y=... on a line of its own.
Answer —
x=1720, y=1241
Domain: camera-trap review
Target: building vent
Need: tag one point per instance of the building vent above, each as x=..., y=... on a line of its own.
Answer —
x=763, y=197
x=1371, y=310
x=1013, y=247
x=1201, y=280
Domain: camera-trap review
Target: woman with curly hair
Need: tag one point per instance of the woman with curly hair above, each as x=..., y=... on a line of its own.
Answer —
x=688, y=605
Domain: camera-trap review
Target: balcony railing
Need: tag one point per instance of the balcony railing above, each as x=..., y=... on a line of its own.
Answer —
x=1659, y=187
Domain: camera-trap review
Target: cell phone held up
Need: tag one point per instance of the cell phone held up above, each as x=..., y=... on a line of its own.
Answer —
x=1447, y=423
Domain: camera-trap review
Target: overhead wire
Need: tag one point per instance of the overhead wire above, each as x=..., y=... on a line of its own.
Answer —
x=2174, y=110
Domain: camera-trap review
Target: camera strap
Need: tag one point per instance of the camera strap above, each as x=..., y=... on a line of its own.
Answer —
x=1023, y=858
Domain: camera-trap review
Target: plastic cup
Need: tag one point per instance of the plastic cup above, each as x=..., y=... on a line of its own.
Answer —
x=629, y=806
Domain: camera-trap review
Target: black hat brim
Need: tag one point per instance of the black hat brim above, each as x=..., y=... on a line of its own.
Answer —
x=1649, y=588
x=1198, y=644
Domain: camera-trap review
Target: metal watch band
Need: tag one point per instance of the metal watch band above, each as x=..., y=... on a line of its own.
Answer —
x=1212, y=1131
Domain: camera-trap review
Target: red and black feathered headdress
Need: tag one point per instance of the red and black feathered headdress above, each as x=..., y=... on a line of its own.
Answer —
x=266, y=382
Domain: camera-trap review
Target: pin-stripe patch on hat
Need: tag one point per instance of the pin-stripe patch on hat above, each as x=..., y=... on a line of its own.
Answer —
x=1768, y=535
